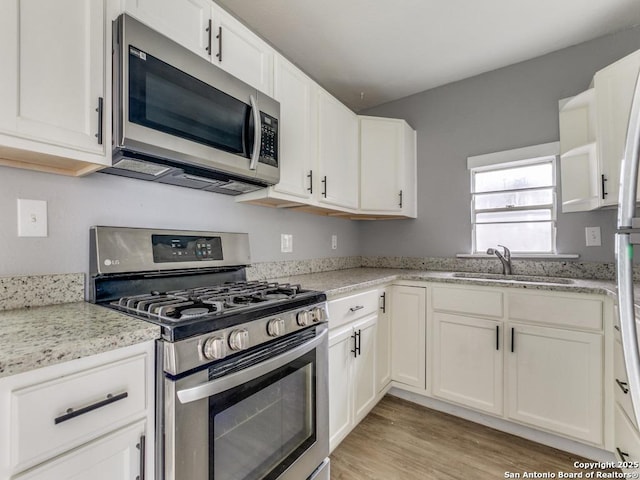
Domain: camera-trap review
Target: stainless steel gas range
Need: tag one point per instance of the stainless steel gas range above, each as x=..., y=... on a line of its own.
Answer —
x=241, y=366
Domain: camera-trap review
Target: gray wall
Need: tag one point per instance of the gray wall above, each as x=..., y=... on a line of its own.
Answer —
x=512, y=107
x=74, y=204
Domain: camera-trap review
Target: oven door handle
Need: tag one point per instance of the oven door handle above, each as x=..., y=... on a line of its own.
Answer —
x=228, y=382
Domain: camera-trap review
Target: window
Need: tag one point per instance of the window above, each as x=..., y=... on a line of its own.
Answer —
x=513, y=203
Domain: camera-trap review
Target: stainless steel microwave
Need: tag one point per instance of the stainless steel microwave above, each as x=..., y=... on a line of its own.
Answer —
x=181, y=120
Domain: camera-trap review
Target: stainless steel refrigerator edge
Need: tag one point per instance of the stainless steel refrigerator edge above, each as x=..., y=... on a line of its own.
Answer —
x=628, y=235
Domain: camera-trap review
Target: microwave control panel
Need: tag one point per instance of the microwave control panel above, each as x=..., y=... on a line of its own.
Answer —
x=269, y=143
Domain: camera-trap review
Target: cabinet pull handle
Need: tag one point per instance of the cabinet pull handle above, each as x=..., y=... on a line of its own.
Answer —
x=400, y=198
x=623, y=386
x=324, y=186
x=384, y=302
x=497, y=337
x=310, y=177
x=208, y=30
x=513, y=339
x=616, y=327
x=143, y=453
x=359, y=337
x=71, y=413
x=355, y=345
x=100, y=121
x=356, y=308
x=603, y=179
x=623, y=455
x=219, y=37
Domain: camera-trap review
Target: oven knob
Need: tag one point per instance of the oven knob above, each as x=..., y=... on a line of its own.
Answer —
x=214, y=348
x=303, y=318
x=319, y=314
x=275, y=327
x=239, y=340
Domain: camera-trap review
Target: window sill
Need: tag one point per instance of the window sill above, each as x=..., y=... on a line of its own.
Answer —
x=524, y=256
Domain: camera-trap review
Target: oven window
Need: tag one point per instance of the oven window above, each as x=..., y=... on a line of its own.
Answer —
x=257, y=430
x=166, y=99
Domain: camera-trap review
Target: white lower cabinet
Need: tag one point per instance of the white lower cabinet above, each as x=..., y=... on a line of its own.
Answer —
x=467, y=361
x=80, y=419
x=352, y=376
x=408, y=337
x=554, y=380
x=113, y=457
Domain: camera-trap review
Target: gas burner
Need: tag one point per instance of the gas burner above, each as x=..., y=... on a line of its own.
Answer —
x=193, y=312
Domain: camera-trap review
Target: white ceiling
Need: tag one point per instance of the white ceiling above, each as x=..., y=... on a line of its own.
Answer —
x=389, y=49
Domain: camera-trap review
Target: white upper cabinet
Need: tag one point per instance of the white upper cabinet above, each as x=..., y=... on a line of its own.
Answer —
x=614, y=86
x=593, y=130
x=387, y=166
x=206, y=29
x=337, y=153
x=579, y=168
x=186, y=22
x=240, y=52
x=298, y=128
x=53, y=85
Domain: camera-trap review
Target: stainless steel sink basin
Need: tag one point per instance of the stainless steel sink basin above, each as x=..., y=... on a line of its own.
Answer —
x=514, y=278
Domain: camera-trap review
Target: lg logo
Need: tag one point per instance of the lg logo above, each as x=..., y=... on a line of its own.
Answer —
x=109, y=262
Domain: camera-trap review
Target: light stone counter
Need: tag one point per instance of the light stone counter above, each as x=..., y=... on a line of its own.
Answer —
x=31, y=338
x=341, y=282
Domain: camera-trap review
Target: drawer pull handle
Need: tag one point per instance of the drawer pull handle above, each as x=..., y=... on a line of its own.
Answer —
x=71, y=413
x=623, y=386
x=356, y=308
x=623, y=455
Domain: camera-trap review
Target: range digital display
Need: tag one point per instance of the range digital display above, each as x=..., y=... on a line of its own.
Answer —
x=182, y=248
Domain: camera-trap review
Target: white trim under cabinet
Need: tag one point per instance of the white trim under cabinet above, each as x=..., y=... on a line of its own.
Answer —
x=112, y=393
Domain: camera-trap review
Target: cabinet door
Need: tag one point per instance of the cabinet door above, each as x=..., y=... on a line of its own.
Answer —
x=467, y=361
x=240, y=52
x=116, y=456
x=341, y=344
x=364, y=368
x=555, y=380
x=381, y=166
x=337, y=153
x=184, y=21
x=408, y=322
x=53, y=71
x=298, y=136
x=614, y=86
x=383, y=342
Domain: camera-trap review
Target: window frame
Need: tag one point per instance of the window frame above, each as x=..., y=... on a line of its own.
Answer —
x=507, y=165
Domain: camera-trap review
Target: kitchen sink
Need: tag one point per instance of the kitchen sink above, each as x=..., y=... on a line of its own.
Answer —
x=514, y=278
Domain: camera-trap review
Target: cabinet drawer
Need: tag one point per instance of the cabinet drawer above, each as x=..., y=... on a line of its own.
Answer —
x=627, y=439
x=462, y=300
x=621, y=382
x=42, y=416
x=583, y=313
x=353, y=307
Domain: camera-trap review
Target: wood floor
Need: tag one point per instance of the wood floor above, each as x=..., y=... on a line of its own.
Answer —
x=400, y=440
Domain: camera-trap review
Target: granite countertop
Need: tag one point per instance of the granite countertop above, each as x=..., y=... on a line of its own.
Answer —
x=340, y=282
x=41, y=336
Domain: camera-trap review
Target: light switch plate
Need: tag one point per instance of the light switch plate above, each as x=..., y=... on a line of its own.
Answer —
x=32, y=218
x=593, y=236
x=286, y=243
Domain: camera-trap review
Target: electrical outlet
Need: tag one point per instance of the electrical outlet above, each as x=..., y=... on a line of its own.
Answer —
x=334, y=242
x=593, y=236
x=32, y=218
x=286, y=243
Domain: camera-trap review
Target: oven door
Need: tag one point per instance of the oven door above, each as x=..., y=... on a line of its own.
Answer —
x=262, y=415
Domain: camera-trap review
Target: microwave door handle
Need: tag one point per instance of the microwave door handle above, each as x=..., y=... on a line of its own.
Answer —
x=257, y=137
x=232, y=380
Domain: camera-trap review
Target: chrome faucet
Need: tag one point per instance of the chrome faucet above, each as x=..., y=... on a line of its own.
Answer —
x=504, y=257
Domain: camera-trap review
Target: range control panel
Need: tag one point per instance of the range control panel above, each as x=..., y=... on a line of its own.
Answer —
x=183, y=248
